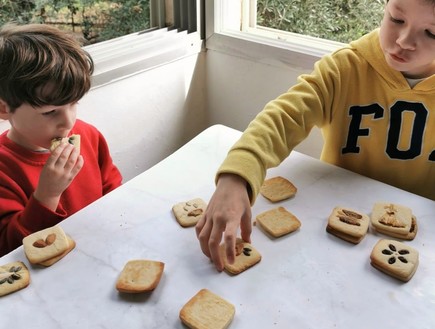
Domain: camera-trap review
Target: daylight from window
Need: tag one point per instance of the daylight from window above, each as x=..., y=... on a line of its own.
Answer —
x=95, y=20
x=337, y=20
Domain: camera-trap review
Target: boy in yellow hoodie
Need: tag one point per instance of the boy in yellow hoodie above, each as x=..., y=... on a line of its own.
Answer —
x=374, y=101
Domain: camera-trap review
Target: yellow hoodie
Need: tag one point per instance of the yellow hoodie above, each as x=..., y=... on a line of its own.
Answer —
x=372, y=122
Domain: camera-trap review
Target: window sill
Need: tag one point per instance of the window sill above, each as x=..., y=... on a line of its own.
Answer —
x=268, y=47
x=122, y=57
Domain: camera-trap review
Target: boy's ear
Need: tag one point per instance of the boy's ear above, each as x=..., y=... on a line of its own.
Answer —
x=4, y=110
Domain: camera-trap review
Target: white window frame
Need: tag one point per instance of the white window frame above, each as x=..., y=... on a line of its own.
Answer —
x=131, y=54
x=231, y=28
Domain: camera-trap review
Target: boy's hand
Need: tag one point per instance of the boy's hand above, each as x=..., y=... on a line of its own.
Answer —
x=228, y=208
x=59, y=171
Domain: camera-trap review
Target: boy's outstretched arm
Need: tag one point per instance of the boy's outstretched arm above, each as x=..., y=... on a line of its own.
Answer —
x=59, y=171
x=228, y=208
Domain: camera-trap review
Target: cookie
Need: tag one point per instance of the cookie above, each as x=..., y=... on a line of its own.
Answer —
x=45, y=244
x=277, y=189
x=51, y=261
x=348, y=224
x=207, y=310
x=73, y=139
x=278, y=222
x=395, y=259
x=13, y=277
x=190, y=212
x=394, y=220
x=246, y=257
x=140, y=276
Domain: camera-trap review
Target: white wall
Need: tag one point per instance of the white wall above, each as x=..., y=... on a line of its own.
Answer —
x=148, y=116
x=238, y=88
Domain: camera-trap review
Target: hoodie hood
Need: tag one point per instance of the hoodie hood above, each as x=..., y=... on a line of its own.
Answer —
x=369, y=47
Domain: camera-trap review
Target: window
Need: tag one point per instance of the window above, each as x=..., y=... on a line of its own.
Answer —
x=151, y=32
x=338, y=20
x=252, y=28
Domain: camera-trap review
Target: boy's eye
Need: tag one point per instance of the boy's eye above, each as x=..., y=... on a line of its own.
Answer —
x=49, y=112
x=430, y=34
x=396, y=21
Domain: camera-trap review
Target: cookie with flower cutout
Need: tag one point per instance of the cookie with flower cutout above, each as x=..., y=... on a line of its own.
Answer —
x=395, y=258
x=13, y=277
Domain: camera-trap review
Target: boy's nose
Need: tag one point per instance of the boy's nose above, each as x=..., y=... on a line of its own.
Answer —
x=67, y=120
x=406, y=41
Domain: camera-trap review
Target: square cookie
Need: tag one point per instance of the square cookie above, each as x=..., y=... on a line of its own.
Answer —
x=278, y=222
x=45, y=244
x=140, y=276
x=207, y=310
x=51, y=261
x=348, y=224
x=394, y=220
x=246, y=257
x=73, y=139
x=190, y=212
x=13, y=277
x=277, y=189
x=395, y=259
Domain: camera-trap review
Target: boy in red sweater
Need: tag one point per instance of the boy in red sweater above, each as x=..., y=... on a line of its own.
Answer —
x=44, y=72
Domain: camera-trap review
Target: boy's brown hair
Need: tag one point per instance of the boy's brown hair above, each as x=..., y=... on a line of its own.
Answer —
x=42, y=65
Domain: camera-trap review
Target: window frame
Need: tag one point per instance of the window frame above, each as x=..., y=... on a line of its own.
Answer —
x=231, y=28
x=131, y=54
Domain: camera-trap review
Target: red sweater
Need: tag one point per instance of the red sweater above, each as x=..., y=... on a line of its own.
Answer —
x=21, y=214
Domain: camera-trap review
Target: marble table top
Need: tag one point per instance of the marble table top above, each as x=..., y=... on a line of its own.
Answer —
x=308, y=279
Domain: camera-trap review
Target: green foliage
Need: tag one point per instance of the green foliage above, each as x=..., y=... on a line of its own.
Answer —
x=99, y=20
x=339, y=20
x=96, y=20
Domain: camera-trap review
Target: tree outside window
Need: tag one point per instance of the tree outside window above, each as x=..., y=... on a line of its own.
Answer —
x=338, y=20
x=95, y=20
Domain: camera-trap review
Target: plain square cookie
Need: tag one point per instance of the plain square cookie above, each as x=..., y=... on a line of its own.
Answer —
x=246, y=257
x=278, y=222
x=348, y=224
x=188, y=213
x=140, y=276
x=277, y=189
x=207, y=310
x=45, y=244
x=13, y=277
x=395, y=259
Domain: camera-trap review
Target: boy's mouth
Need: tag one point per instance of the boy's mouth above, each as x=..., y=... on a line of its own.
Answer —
x=398, y=58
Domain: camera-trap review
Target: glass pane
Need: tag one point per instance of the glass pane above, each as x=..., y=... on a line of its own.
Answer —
x=96, y=20
x=338, y=20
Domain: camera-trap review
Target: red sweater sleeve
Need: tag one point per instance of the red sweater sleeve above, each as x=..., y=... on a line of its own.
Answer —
x=23, y=220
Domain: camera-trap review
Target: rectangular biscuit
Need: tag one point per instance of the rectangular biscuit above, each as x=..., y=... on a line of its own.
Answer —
x=188, y=213
x=140, y=276
x=207, y=310
x=348, y=224
x=43, y=245
x=246, y=257
x=278, y=222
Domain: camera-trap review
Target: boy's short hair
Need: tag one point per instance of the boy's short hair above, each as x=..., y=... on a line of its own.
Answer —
x=42, y=65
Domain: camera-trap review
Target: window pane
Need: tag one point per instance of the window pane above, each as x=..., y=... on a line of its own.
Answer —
x=338, y=20
x=96, y=20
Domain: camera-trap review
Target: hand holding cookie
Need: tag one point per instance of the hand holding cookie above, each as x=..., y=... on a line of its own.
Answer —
x=59, y=171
